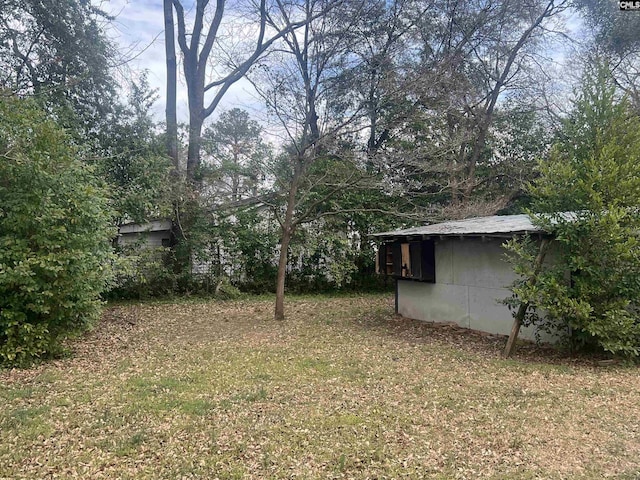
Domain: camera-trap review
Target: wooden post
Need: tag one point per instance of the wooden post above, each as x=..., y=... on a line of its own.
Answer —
x=396, y=306
x=522, y=310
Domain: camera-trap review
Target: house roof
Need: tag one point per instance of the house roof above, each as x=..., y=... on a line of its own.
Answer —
x=496, y=225
x=152, y=226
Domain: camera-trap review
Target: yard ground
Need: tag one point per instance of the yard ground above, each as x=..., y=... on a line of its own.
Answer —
x=341, y=389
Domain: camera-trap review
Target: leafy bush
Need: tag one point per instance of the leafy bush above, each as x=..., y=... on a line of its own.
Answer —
x=595, y=174
x=321, y=257
x=54, y=236
x=143, y=272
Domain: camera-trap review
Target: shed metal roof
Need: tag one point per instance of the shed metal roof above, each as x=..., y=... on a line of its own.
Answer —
x=151, y=226
x=499, y=225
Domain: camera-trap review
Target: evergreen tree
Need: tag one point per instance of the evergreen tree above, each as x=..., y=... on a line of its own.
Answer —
x=588, y=196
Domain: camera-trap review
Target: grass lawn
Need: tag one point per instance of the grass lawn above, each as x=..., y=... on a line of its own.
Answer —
x=341, y=389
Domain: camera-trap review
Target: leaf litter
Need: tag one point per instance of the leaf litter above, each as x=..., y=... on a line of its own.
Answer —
x=341, y=389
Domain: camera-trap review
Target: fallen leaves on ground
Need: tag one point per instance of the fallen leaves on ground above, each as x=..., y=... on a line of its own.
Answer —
x=341, y=389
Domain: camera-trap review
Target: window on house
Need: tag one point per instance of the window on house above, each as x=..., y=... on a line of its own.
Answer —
x=414, y=260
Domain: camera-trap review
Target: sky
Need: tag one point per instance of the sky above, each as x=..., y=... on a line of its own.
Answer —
x=138, y=31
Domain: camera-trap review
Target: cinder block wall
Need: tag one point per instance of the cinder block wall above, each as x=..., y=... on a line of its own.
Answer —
x=472, y=276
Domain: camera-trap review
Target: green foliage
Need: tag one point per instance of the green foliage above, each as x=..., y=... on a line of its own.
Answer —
x=147, y=272
x=517, y=140
x=614, y=30
x=248, y=243
x=142, y=273
x=323, y=257
x=132, y=158
x=58, y=52
x=234, y=155
x=595, y=174
x=54, y=236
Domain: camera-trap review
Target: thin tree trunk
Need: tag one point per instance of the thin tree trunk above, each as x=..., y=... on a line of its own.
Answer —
x=171, y=112
x=287, y=232
x=282, y=273
x=522, y=310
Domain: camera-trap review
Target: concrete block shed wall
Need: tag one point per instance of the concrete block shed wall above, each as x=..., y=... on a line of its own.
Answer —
x=471, y=278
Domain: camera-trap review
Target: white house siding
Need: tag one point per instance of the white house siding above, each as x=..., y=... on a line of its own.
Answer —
x=471, y=278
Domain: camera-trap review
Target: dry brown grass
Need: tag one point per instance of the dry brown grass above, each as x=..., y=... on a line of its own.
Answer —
x=342, y=389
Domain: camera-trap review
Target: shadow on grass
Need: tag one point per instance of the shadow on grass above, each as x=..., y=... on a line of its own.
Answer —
x=385, y=322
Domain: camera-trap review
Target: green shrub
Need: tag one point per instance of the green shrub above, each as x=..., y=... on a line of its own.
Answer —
x=54, y=236
x=591, y=292
x=142, y=273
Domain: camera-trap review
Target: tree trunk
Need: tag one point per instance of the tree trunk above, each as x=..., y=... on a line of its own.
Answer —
x=171, y=113
x=287, y=233
x=522, y=310
x=282, y=273
x=195, y=139
x=478, y=146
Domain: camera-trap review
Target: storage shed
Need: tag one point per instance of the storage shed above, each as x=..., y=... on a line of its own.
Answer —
x=456, y=271
x=156, y=233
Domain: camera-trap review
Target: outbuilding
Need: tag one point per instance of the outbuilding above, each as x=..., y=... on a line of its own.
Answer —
x=152, y=234
x=456, y=271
